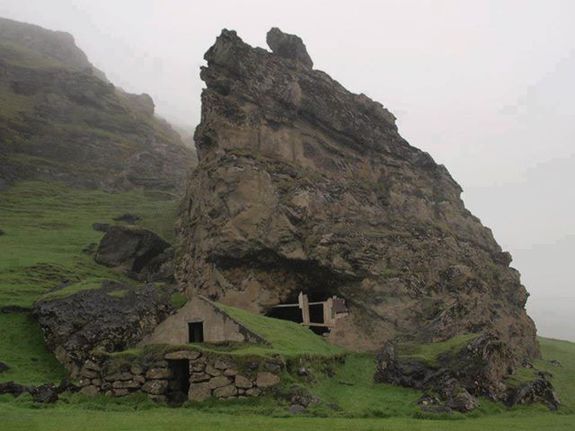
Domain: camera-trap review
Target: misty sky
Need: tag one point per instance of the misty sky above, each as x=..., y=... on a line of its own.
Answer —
x=486, y=87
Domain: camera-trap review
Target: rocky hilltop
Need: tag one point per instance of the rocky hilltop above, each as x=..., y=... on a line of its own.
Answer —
x=60, y=119
x=305, y=186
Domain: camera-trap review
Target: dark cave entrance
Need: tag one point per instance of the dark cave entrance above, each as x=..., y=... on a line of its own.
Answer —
x=306, y=308
x=286, y=313
x=180, y=382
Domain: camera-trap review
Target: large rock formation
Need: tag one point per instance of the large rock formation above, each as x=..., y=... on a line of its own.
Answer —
x=304, y=186
x=60, y=119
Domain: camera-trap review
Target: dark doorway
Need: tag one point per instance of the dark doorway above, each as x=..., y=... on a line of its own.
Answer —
x=180, y=382
x=196, y=332
x=286, y=313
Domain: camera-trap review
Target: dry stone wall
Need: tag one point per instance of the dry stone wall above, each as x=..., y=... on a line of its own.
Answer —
x=207, y=375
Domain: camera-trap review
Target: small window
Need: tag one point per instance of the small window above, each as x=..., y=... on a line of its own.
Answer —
x=196, y=332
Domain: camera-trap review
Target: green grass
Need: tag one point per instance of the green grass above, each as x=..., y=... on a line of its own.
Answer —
x=286, y=338
x=22, y=348
x=430, y=353
x=48, y=225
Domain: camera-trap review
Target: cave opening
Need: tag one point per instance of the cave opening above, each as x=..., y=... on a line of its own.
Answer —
x=318, y=313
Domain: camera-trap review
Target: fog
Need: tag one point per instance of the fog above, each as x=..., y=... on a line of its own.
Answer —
x=486, y=87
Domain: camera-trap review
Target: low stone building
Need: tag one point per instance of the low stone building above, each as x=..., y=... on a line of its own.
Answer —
x=182, y=374
x=200, y=320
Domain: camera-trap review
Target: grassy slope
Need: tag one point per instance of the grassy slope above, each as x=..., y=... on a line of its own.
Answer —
x=286, y=338
x=46, y=227
x=362, y=406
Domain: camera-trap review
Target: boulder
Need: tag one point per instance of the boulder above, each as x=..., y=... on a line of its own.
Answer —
x=158, y=373
x=45, y=394
x=138, y=251
x=183, y=354
x=288, y=46
x=3, y=367
x=128, y=218
x=225, y=391
x=242, y=382
x=12, y=388
x=75, y=325
x=266, y=380
x=477, y=368
x=155, y=387
x=218, y=382
x=199, y=392
x=537, y=391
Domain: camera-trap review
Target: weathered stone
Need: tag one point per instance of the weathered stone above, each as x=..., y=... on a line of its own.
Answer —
x=199, y=391
x=84, y=381
x=183, y=354
x=91, y=390
x=253, y=392
x=308, y=172
x=199, y=377
x=118, y=376
x=225, y=391
x=91, y=365
x=130, y=247
x=213, y=371
x=140, y=379
x=120, y=392
x=230, y=372
x=3, y=367
x=243, y=382
x=45, y=394
x=222, y=364
x=158, y=373
x=137, y=369
x=199, y=365
x=12, y=388
x=97, y=382
x=155, y=387
x=218, y=382
x=288, y=46
x=296, y=409
x=265, y=379
x=89, y=374
x=127, y=384
x=96, y=320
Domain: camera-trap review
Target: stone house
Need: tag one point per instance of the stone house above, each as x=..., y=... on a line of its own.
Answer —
x=201, y=321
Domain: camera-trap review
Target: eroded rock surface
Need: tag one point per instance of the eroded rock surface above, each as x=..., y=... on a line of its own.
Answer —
x=111, y=318
x=302, y=185
x=62, y=120
x=456, y=379
x=141, y=253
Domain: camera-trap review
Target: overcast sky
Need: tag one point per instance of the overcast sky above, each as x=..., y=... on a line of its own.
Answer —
x=486, y=87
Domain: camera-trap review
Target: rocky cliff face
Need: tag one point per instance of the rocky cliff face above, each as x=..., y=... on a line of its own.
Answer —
x=60, y=119
x=304, y=186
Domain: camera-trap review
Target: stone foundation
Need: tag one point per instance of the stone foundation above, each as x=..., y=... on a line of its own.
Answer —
x=199, y=375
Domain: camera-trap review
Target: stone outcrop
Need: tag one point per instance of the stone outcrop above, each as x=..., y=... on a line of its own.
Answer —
x=61, y=120
x=304, y=186
x=141, y=253
x=111, y=318
x=458, y=377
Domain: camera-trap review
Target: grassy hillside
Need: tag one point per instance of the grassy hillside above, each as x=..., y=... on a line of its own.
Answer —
x=46, y=226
